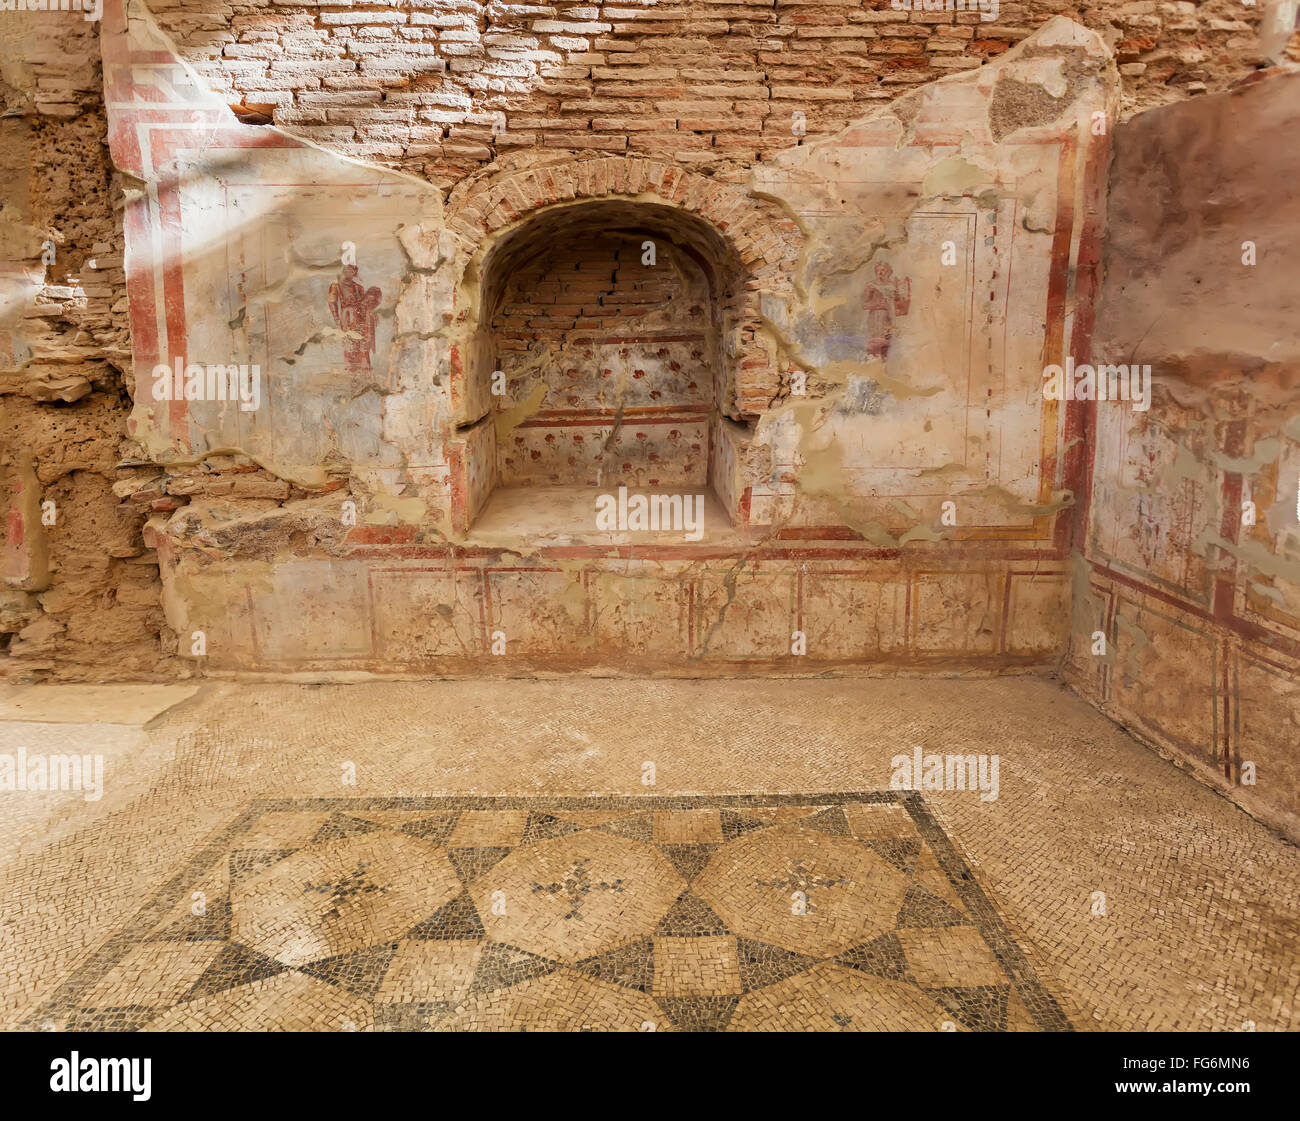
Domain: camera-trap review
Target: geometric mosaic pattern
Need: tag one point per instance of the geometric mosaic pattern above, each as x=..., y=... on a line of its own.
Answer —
x=730, y=912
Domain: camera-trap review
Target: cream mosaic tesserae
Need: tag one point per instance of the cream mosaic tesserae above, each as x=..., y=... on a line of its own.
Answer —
x=650, y=516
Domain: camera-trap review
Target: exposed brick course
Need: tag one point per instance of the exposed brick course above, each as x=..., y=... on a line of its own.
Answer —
x=715, y=83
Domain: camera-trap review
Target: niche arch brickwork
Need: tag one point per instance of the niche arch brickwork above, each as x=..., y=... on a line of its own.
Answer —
x=747, y=248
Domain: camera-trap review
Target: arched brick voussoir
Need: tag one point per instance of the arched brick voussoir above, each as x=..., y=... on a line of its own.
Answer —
x=752, y=240
x=470, y=225
x=753, y=228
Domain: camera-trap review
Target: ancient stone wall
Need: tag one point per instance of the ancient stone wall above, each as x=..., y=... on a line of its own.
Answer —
x=442, y=88
x=886, y=482
x=714, y=109
x=1187, y=596
x=80, y=592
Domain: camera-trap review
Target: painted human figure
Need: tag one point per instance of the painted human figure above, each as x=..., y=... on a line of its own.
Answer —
x=353, y=308
x=890, y=297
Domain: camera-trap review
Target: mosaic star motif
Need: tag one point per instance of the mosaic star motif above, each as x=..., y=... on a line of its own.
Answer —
x=567, y=914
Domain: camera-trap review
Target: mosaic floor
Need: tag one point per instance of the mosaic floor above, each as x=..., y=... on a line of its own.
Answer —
x=462, y=854
x=832, y=912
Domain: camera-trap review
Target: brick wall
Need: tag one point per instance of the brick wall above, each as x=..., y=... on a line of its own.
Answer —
x=623, y=351
x=441, y=87
x=597, y=283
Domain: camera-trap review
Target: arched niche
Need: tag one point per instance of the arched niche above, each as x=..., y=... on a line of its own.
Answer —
x=604, y=350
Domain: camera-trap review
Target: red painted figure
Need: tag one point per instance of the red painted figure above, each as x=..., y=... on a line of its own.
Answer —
x=888, y=298
x=353, y=308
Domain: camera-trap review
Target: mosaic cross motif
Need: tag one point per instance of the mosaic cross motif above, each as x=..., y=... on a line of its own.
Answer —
x=576, y=885
x=802, y=879
x=346, y=887
x=381, y=914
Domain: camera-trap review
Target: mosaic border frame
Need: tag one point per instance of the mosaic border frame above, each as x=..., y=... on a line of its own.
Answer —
x=1042, y=1006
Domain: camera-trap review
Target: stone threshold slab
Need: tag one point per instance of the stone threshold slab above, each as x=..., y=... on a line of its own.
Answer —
x=92, y=704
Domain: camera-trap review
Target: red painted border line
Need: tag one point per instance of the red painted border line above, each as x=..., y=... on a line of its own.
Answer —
x=1243, y=628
